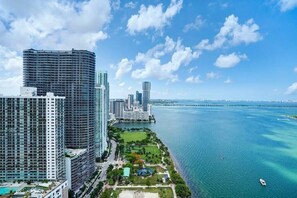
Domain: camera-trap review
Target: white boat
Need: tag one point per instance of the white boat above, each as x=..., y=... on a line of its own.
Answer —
x=262, y=181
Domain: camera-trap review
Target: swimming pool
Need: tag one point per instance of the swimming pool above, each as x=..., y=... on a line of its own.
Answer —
x=6, y=190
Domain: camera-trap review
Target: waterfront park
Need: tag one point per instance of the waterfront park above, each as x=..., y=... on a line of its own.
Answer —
x=144, y=166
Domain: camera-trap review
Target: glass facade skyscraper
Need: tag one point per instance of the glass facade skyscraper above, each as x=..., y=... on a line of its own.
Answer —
x=138, y=97
x=130, y=101
x=70, y=74
x=102, y=79
x=101, y=112
x=146, y=89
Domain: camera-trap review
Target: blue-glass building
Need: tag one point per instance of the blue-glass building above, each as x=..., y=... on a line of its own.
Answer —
x=70, y=74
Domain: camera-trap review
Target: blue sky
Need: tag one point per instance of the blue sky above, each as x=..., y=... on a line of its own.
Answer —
x=224, y=49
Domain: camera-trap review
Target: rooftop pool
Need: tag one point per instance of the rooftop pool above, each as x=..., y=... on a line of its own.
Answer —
x=6, y=190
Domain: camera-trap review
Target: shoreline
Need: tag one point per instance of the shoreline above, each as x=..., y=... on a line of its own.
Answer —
x=177, y=165
x=134, y=121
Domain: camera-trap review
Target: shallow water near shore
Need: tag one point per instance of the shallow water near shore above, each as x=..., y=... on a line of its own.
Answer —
x=223, y=151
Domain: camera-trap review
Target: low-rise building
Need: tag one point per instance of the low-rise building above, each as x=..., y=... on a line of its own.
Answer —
x=136, y=115
x=126, y=173
x=56, y=189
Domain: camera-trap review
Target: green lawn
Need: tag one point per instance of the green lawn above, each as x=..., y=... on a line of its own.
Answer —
x=133, y=136
x=152, y=155
x=150, y=152
x=157, y=168
x=152, y=149
x=143, y=181
x=116, y=193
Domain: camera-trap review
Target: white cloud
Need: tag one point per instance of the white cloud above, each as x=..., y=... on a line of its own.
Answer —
x=192, y=69
x=153, y=17
x=286, y=5
x=54, y=24
x=194, y=79
x=195, y=25
x=112, y=66
x=233, y=33
x=124, y=66
x=182, y=56
x=122, y=84
x=131, y=5
x=157, y=51
x=227, y=81
x=93, y=15
x=10, y=61
x=295, y=69
x=11, y=85
x=153, y=67
x=292, y=89
x=212, y=75
x=230, y=60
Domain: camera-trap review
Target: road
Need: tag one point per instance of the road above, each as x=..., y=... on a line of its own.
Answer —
x=104, y=166
x=110, y=160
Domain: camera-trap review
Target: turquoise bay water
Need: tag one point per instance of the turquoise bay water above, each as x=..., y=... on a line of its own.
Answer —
x=223, y=151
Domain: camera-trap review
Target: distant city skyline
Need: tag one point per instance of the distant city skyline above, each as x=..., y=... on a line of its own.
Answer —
x=234, y=50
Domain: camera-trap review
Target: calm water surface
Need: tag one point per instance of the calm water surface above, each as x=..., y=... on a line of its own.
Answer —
x=223, y=151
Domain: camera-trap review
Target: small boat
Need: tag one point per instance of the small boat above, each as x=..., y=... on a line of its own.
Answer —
x=262, y=181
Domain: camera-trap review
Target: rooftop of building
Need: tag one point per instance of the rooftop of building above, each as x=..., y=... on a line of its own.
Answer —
x=74, y=152
x=35, y=188
x=97, y=86
x=31, y=92
x=126, y=172
x=55, y=51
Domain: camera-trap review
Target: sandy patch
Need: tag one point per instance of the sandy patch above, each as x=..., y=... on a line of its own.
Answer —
x=137, y=194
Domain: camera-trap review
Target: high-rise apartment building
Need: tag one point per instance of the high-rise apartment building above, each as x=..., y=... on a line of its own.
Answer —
x=101, y=112
x=146, y=89
x=99, y=121
x=102, y=79
x=119, y=106
x=32, y=137
x=138, y=97
x=70, y=74
x=111, y=106
x=130, y=101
